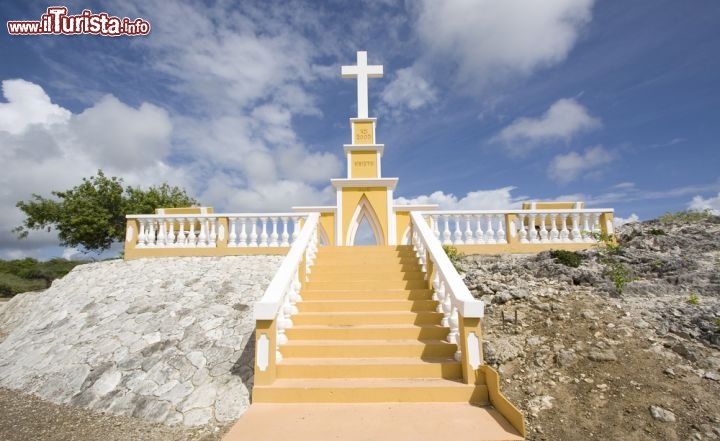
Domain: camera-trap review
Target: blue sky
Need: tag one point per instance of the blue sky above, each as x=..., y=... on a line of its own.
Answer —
x=483, y=104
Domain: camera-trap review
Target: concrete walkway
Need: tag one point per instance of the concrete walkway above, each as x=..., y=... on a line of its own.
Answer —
x=372, y=422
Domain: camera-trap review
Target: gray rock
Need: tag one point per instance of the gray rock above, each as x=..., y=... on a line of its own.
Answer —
x=712, y=376
x=197, y=417
x=565, y=358
x=661, y=414
x=138, y=338
x=602, y=355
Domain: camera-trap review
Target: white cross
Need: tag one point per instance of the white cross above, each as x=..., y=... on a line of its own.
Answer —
x=362, y=72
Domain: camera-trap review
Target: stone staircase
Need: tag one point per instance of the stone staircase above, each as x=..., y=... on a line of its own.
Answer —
x=367, y=332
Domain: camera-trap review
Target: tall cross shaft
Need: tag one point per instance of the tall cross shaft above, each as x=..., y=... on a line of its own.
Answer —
x=362, y=72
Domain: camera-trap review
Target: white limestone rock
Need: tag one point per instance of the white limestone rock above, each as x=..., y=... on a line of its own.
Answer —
x=150, y=338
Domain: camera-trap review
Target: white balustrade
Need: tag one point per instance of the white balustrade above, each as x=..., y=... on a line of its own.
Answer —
x=280, y=300
x=207, y=230
x=453, y=297
x=481, y=227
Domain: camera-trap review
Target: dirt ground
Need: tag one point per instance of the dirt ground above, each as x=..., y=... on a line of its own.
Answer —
x=602, y=399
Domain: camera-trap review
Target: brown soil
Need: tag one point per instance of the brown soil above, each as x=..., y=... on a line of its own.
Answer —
x=25, y=417
x=602, y=399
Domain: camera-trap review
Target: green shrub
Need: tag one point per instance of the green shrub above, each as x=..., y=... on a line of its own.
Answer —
x=694, y=299
x=11, y=284
x=454, y=255
x=716, y=322
x=656, y=232
x=567, y=258
x=619, y=274
x=685, y=216
x=28, y=274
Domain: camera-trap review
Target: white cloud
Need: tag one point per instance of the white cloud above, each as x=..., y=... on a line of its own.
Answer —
x=565, y=118
x=408, y=90
x=488, y=39
x=44, y=147
x=497, y=199
x=619, y=221
x=700, y=203
x=27, y=104
x=569, y=167
x=477, y=44
x=117, y=136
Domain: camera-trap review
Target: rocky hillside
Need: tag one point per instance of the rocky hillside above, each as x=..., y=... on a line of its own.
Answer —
x=166, y=340
x=624, y=346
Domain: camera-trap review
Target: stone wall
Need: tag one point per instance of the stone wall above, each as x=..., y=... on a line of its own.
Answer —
x=168, y=340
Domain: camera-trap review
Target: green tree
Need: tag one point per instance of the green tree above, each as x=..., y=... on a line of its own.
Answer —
x=91, y=216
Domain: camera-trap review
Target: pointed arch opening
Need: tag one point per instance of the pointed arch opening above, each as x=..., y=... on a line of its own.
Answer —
x=364, y=218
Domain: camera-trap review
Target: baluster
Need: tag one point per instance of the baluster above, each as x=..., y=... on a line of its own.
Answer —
x=501, y=230
x=285, y=236
x=436, y=228
x=171, y=232
x=596, y=224
x=522, y=229
x=296, y=287
x=191, y=239
x=243, y=233
x=281, y=337
x=161, y=235
x=212, y=238
x=232, y=238
x=142, y=236
x=437, y=286
x=453, y=335
x=468, y=231
x=274, y=235
x=253, y=233
x=543, y=229
x=202, y=237
x=564, y=233
x=180, y=241
x=576, y=236
x=586, y=233
x=554, y=233
x=264, y=234
x=446, y=307
x=457, y=234
x=446, y=231
x=479, y=234
x=532, y=232
x=489, y=232
x=296, y=229
x=151, y=233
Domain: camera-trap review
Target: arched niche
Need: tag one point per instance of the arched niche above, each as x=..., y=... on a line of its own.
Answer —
x=364, y=211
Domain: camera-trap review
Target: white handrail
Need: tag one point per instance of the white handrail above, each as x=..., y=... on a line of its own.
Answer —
x=268, y=307
x=521, y=211
x=466, y=304
x=211, y=215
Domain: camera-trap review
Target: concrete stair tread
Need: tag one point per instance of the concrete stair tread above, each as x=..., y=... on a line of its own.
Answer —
x=372, y=421
x=368, y=361
x=379, y=383
x=347, y=342
x=369, y=326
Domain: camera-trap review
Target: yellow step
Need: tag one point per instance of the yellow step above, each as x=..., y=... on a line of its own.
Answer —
x=369, y=390
x=368, y=332
x=366, y=305
x=324, y=276
x=446, y=368
x=365, y=285
x=388, y=294
x=345, y=268
x=367, y=318
x=367, y=348
x=355, y=251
